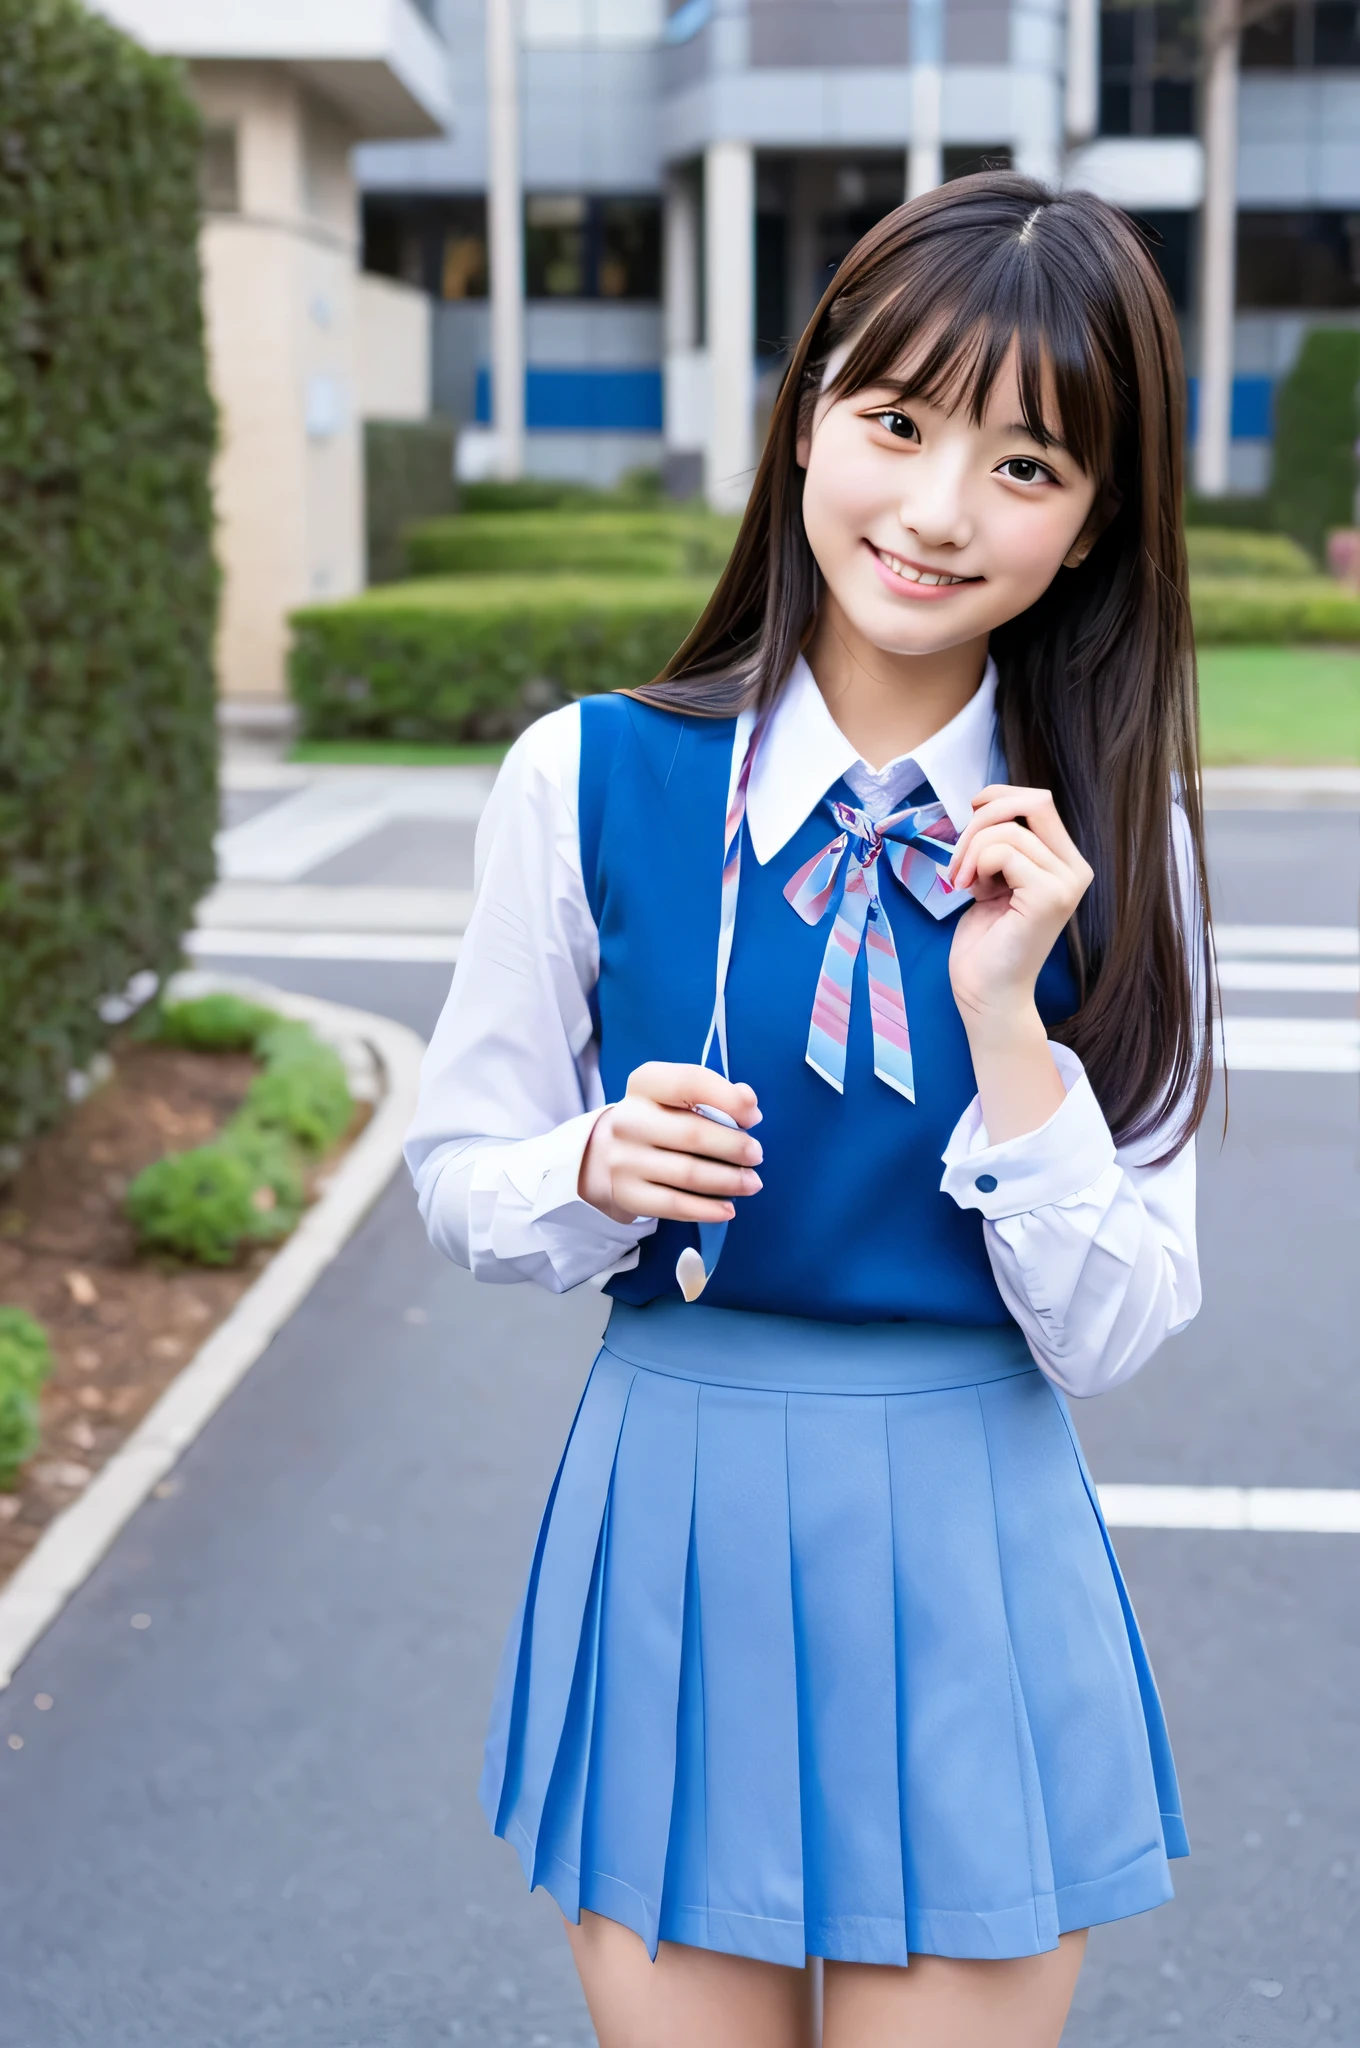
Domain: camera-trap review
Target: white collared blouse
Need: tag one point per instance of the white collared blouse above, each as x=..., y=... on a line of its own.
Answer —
x=1093, y=1248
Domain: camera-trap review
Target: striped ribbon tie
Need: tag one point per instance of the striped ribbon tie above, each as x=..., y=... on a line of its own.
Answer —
x=918, y=841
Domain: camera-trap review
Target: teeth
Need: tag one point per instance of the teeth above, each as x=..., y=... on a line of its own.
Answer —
x=909, y=575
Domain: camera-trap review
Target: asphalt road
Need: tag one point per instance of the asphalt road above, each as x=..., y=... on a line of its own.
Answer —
x=254, y=1821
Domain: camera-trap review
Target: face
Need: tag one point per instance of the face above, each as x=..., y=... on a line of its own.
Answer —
x=931, y=531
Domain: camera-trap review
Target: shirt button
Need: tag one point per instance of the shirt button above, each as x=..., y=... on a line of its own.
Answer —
x=986, y=1183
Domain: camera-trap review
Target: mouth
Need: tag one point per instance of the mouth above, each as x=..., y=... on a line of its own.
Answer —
x=914, y=579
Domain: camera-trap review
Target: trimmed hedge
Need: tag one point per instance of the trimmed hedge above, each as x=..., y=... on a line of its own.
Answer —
x=1241, y=514
x=1317, y=420
x=471, y=658
x=246, y=1186
x=675, y=543
x=107, y=584
x=637, y=487
x=408, y=475
x=1231, y=611
x=1220, y=551
x=25, y=1364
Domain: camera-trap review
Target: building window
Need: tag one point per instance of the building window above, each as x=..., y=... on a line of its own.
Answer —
x=218, y=181
x=581, y=247
x=1169, y=236
x=966, y=159
x=1298, y=260
x=1307, y=35
x=1148, y=58
x=436, y=242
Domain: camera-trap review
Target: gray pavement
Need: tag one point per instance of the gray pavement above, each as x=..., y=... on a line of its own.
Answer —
x=254, y=1821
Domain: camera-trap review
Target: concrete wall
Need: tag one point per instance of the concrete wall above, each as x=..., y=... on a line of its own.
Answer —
x=279, y=299
x=395, y=350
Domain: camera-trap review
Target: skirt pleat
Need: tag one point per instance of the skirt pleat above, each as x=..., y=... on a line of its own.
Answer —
x=850, y=1675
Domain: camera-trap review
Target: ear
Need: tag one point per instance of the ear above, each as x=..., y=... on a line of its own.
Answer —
x=1108, y=501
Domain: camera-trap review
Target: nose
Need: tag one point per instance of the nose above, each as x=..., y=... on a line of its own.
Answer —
x=935, y=508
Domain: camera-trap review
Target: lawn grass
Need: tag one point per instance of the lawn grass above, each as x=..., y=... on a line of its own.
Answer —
x=1290, y=705
x=1296, y=706
x=396, y=754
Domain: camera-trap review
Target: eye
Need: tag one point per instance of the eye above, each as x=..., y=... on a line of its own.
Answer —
x=899, y=424
x=1023, y=469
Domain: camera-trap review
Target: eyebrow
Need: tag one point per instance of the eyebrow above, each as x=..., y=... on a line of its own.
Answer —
x=1049, y=441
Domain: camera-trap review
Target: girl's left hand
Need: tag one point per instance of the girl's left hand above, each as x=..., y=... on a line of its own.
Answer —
x=1027, y=877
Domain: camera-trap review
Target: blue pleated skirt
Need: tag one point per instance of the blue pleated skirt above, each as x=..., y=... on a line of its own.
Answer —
x=825, y=1651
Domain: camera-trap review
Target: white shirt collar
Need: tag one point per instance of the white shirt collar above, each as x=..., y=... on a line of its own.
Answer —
x=803, y=752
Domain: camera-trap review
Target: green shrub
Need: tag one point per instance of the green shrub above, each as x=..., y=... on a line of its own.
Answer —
x=1273, y=612
x=107, y=584
x=25, y=1363
x=205, y=1204
x=1242, y=515
x=247, y=1185
x=1218, y=551
x=679, y=542
x=1317, y=419
x=216, y=1023
x=408, y=475
x=460, y=659
x=637, y=487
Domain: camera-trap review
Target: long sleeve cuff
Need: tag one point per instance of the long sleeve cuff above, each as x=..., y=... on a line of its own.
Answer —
x=524, y=1210
x=1055, y=1163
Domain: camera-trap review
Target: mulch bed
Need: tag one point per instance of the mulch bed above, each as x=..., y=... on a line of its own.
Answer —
x=120, y=1326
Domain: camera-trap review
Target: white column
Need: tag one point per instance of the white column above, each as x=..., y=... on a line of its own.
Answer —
x=1082, y=96
x=505, y=207
x=1218, y=253
x=925, y=155
x=681, y=264
x=730, y=313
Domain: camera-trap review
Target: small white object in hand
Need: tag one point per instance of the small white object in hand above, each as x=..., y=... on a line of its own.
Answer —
x=690, y=1274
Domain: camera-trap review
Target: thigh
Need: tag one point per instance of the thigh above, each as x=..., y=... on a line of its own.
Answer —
x=940, y=2003
x=688, y=1995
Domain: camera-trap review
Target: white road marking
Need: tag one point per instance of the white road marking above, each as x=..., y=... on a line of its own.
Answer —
x=220, y=943
x=322, y=907
x=1288, y=1045
x=335, y=812
x=1301, y=977
x=1281, y=1510
x=1303, y=941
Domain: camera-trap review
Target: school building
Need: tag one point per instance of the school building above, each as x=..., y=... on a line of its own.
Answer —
x=693, y=170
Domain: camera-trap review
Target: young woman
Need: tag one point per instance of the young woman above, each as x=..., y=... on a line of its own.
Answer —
x=898, y=869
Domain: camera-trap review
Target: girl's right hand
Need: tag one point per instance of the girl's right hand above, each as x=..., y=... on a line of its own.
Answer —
x=652, y=1155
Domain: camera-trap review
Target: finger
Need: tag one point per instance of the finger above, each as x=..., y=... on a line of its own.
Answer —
x=1012, y=835
x=641, y=1121
x=673, y=1207
x=685, y=1171
x=1001, y=802
x=680, y=1085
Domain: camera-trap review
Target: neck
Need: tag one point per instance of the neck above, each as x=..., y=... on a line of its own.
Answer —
x=885, y=703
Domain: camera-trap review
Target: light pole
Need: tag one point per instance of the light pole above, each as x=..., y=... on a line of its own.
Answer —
x=925, y=155
x=1218, y=254
x=505, y=207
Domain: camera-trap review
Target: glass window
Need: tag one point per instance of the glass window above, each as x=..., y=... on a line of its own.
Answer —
x=1148, y=58
x=1271, y=44
x=1336, y=33
x=434, y=241
x=579, y=247
x=1298, y=260
x=218, y=186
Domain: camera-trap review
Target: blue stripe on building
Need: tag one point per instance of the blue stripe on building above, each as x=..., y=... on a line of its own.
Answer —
x=1253, y=408
x=583, y=400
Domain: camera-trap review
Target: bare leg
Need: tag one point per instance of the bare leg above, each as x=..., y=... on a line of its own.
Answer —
x=939, y=2003
x=687, y=1996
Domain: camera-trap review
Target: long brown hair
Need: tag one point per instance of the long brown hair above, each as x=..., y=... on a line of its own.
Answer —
x=1097, y=696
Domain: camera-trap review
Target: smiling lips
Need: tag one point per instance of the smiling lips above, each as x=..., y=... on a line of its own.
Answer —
x=903, y=576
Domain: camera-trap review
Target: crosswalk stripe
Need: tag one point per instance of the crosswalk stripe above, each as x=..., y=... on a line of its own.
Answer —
x=1280, y=1510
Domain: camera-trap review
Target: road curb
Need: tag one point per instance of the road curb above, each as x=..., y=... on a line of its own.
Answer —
x=73, y=1544
x=1281, y=789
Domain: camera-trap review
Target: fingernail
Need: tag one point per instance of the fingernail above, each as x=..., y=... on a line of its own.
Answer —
x=756, y=1182
x=759, y=1152
x=729, y=1210
x=756, y=1119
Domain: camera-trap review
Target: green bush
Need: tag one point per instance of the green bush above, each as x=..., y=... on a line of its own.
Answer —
x=1242, y=515
x=468, y=658
x=408, y=475
x=679, y=542
x=247, y=1185
x=1219, y=551
x=1317, y=420
x=638, y=487
x=107, y=584
x=1279, y=612
x=25, y=1363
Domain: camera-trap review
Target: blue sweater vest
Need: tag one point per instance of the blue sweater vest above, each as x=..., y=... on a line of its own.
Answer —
x=851, y=1225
